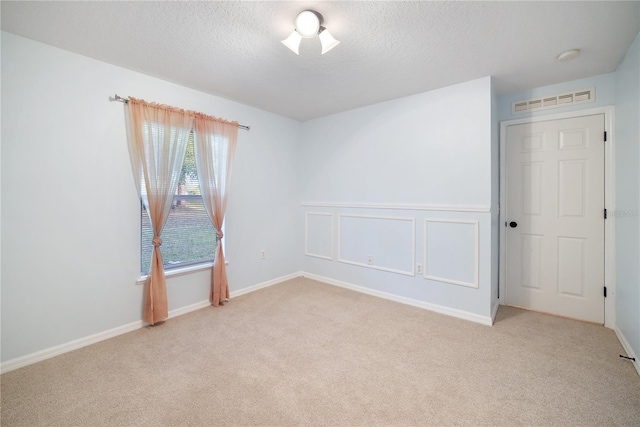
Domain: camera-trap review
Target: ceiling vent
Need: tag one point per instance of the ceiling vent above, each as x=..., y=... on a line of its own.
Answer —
x=554, y=101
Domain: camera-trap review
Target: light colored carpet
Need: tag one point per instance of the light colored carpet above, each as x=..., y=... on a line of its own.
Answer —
x=307, y=353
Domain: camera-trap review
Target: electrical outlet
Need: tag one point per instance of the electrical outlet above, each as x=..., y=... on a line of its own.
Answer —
x=369, y=260
x=263, y=254
x=419, y=268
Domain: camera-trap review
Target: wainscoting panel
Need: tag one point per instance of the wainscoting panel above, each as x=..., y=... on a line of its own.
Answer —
x=380, y=242
x=451, y=251
x=318, y=235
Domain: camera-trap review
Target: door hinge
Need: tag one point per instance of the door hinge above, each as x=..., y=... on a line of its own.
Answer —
x=605, y=136
x=605, y=214
x=605, y=291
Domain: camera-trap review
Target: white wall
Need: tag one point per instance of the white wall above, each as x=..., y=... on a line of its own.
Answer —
x=431, y=149
x=71, y=238
x=628, y=197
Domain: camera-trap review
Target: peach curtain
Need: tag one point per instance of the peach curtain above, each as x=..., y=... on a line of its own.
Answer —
x=158, y=136
x=215, y=146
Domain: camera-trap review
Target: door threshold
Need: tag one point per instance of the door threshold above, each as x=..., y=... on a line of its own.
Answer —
x=555, y=315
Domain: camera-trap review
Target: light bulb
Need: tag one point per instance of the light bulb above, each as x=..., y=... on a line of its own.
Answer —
x=307, y=23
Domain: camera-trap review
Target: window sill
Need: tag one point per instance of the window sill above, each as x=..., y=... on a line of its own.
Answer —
x=175, y=272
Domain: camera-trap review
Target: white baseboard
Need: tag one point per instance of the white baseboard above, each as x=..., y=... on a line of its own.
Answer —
x=627, y=349
x=186, y=309
x=264, y=284
x=494, y=312
x=485, y=320
x=50, y=352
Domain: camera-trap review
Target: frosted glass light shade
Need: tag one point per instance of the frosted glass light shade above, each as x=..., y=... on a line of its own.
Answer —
x=293, y=41
x=307, y=23
x=327, y=40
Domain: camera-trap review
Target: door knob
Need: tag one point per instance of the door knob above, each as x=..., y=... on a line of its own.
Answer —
x=513, y=224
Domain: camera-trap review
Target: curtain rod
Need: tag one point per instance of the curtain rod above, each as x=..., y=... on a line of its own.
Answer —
x=125, y=100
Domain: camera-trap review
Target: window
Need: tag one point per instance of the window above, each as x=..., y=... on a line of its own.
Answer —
x=188, y=236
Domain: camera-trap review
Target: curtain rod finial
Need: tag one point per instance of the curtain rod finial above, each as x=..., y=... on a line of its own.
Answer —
x=118, y=98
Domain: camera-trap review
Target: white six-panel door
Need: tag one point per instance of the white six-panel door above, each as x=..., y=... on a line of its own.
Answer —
x=555, y=217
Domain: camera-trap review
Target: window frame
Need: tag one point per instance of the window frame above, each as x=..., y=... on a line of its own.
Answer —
x=178, y=270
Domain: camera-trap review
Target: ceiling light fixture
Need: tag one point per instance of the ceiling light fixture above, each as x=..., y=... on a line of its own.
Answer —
x=308, y=24
x=568, y=55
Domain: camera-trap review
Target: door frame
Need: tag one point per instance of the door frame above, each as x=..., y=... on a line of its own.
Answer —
x=609, y=200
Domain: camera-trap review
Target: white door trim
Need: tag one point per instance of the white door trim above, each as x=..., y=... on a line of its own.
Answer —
x=609, y=225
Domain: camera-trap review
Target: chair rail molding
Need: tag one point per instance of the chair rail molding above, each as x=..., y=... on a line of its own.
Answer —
x=397, y=206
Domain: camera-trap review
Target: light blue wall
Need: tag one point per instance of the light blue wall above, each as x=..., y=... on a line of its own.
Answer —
x=433, y=148
x=495, y=197
x=628, y=196
x=427, y=148
x=72, y=272
x=604, y=85
x=70, y=213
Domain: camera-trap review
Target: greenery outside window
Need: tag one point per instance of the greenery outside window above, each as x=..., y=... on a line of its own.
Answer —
x=188, y=237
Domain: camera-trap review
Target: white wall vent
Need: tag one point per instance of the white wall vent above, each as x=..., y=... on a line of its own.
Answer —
x=554, y=101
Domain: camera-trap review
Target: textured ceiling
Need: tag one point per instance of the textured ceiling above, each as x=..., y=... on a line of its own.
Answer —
x=388, y=49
